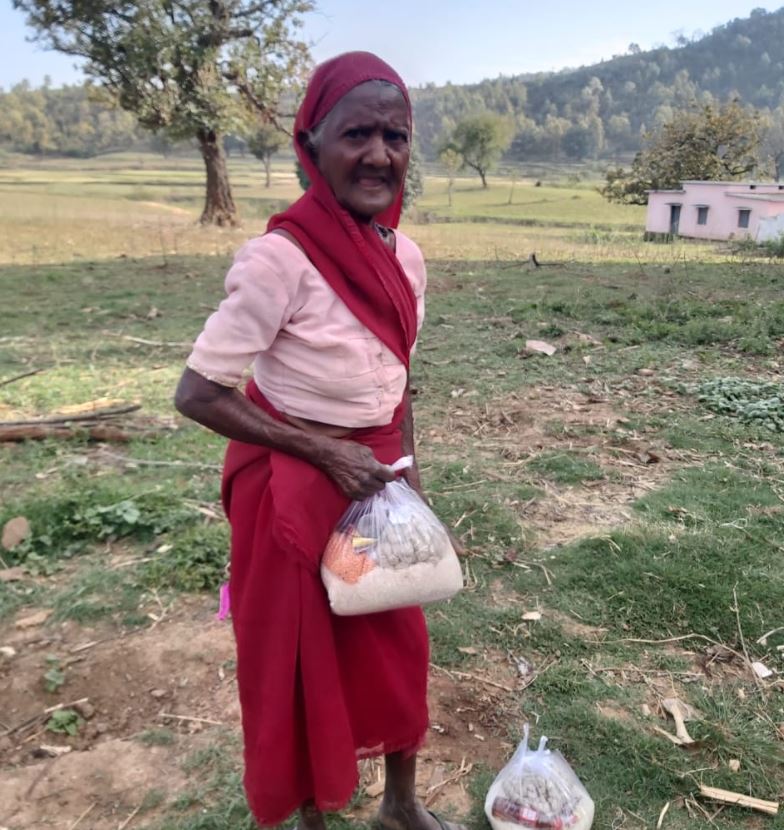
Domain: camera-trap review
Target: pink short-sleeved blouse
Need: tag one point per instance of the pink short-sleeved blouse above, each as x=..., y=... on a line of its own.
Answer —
x=311, y=357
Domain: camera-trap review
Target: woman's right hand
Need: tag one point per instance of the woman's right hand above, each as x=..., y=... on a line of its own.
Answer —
x=354, y=468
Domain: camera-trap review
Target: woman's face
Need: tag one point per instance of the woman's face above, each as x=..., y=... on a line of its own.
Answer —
x=364, y=148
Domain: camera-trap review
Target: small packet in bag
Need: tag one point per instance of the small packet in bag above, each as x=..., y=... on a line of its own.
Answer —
x=538, y=789
x=389, y=551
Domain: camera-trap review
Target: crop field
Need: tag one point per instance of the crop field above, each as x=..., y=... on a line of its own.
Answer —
x=621, y=502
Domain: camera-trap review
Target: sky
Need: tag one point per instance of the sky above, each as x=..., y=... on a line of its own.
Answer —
x=461, y=41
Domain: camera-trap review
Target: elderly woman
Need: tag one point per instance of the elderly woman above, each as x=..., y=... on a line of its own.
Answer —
x=327, y=306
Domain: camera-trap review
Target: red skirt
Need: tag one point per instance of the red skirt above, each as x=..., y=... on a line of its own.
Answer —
x=317, y=691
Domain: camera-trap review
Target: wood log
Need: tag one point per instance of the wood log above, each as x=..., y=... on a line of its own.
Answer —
x=94, y=415
x=741, y=800
x=97, y=432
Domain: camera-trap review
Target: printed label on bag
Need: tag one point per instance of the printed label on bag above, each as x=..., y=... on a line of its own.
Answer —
x=505, y=808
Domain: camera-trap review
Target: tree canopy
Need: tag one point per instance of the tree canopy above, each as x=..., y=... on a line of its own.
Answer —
x=189, y=68
x=710, y=143
x=480, y=141
x=264, y=142
x=68, y=121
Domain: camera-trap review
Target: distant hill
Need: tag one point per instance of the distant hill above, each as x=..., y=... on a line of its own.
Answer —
x=600, y=111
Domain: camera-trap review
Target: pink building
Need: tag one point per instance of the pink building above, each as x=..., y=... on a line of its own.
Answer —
x=717, y=210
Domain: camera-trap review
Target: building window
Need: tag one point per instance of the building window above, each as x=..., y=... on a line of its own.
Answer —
x=702, y=215
x=743, y=217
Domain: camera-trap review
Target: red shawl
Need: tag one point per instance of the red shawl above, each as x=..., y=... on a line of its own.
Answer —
x=361, y=269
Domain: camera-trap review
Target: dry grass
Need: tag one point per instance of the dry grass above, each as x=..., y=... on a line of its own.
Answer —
x=137, y=206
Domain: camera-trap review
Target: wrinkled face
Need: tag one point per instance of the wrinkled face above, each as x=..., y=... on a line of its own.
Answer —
x=364, y=148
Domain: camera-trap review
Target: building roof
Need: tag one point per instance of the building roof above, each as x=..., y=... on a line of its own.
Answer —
x=733, y=184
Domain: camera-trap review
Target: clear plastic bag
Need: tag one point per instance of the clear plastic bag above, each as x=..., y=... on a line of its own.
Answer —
x=538, y=789
x=389, y=551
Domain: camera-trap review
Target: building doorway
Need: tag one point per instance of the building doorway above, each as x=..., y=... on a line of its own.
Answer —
x=675, y=218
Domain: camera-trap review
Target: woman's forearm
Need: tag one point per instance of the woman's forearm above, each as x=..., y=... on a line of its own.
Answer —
x=351, y=465
x=228, y=412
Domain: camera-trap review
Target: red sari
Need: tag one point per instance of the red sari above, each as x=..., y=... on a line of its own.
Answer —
x=318, y=691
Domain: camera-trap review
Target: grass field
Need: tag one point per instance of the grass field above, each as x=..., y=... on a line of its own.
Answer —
x=637, y=510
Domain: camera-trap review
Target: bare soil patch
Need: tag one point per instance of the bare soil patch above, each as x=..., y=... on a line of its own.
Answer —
x=176, y=676
x=179, y=676
x=515, y=430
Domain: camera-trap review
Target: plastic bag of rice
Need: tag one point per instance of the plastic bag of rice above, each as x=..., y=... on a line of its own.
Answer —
x=538, y=789
x=389, y=551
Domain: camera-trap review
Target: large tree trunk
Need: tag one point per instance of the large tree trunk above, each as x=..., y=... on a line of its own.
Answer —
x=219, y=208
x=268, y=171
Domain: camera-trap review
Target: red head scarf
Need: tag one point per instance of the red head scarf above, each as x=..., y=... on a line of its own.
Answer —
x=357, y=264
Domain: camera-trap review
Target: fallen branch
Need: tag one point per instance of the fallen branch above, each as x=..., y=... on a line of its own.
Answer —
x=130, y=817
x=94, y=415
x=763, y=640
x=141, y=462
x=744, y=658
x=191, y=719
x=454, y=673
x=172, y=344
x=103, y=432
x=668, y=735
x=736, y=609
x=35, y=718
x=83, y=815
x=739, y=799
x=20, y=377
x=65, y=705
x=434, y=791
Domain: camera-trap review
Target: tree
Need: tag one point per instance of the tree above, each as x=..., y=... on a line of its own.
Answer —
x=773, y=141
x=189, y=68
x=481, y=141
x=576, y=142
x=452, y=161
x=414, y=186
x=710, y=143
x=264, y=143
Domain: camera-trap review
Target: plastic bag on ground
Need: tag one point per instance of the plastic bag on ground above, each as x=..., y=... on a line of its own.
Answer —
x=538, y=789
x=389, y=551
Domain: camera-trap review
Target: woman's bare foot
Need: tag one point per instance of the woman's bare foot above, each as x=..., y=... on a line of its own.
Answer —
x=310, y=818
x=412, y=816
x=400, y=808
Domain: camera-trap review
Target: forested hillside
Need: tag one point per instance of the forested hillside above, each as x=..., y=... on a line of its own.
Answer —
x=602, y=110
x=68, y=121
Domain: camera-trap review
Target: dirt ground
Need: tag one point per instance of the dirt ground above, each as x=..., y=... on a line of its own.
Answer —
x=178, y=672
x=179, y=675
x=593, y=425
